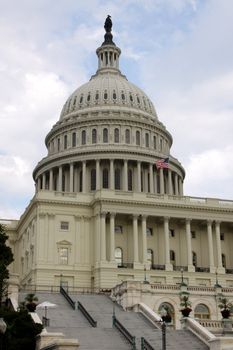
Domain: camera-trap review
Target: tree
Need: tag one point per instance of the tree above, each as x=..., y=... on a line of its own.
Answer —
x=6, y=258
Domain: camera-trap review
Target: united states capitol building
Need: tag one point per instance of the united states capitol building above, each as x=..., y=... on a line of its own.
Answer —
x=104, y=215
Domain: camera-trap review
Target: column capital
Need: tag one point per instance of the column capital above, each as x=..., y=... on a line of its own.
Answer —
x=112, y=215
x=188, y=220
x=217, y=222
x=209, y=222
x=135, y=216
x=103, y=214
x=166, y=218
x=144, y=217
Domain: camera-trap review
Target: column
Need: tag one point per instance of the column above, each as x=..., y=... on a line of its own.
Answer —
x=151, y=178
x=191, y=268
x=84, y=169
x=112, y=237
x=103, y=236
x=155, y=182
x=38, y=183
x=169, y=181
x=161, y=179
x=97, y=238
x=221, y=269
x=71, y=177
x=144, y=240
x=180, y=186
x=210, y=246
x=97, y=174
x=60, y=179
x=125, y=182
x=51, y=180
x=111, y=174
x=135, y=239
x=43, y=181
x=139, y=176
x=176, y=185
x=168, y=265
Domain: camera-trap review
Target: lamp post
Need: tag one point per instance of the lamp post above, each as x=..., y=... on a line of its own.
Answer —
x=2, y=331
x=113, y=310
x=163, y=335
x=145, y=280
x=182, y=275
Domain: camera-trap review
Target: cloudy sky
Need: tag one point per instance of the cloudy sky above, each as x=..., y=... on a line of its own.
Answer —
x=179, y=51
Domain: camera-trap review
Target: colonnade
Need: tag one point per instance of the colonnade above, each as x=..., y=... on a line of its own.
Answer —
x=141, y=240
x=135, y=176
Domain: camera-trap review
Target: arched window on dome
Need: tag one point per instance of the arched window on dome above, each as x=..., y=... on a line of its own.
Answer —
x=138, y=100
x=147, y=140
x=58, y=144
x=116, y=135
x=202, y=312
x=127, y=136
x=93, y=179
x=88, y=97
x=105, y=95
x=130, y=180
x=97, y=95
x=105, y=135
x=117, y=179
x=131, y=97
x=81, y=99
x=150, y=257
x=138, y=138
x=119, y=256
x=74, y=139
x=83, y=137
x=114, y=96
x=94, y=136
x=155, y=142
x=105, y=178
x=122, y=96
x=194, y=258
x=65, y=141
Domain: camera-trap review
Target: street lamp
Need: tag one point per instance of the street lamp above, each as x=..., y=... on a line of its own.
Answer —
x=182, y=277
x=113, y=310
x=145, y=280
x=163, y=335
x=2, y=331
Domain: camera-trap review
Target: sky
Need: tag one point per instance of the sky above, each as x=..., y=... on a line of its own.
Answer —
x=179, y=52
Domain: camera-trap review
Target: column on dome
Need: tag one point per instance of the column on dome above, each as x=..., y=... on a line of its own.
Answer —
x=97, y=174
x=139, y=176
x=220, y=269
x=111, y=174
x=191, y=268
x=60, y=178
x=151, y=178
x=51, y=180
x=170, y=182
x=103, y=236
x=71, y=177
x=144, y=240
x=168, y=265
x=176, y=185
x=125, y=171
x=84, y=171
x=112, y=237
x=180, y=186
x=135, y=239
x=210, y=246
x=43, y=181
x=38, y=183
x=155, y=182
x=161, y=179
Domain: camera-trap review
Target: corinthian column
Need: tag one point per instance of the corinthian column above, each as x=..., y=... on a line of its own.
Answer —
x=135, y=238
x=210, y=246
x=139, y=176
x=103, y=236
x=144, y=240
x=191, y=268
x=168, y=265
x=161, y=180
x=221, y=269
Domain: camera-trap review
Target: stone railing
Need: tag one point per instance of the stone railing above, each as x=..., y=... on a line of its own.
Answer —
x=152, y=316
x=196, y=328
x=211, y=324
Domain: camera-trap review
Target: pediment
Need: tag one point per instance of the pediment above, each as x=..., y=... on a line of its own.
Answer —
x=64, y=242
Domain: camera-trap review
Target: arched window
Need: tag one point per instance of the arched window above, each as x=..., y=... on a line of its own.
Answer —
x=138, y=138
x=74, y=139
x=94, y=136
x=202, y=311
x=117, y=179
x=119, y=256
x=105, y=178
x=194, y=257
x=83, y=137
x=223, y=260
x=65, y=141
x=155, y=142
x=172, y=257
x=130, y=180
x=166, y=311
x=58, y=144
x=93, y=179
x=116, y=135
x=150, y=257
x=147, y=139
x=114, y=96
x=105, y=135
x=127, y=136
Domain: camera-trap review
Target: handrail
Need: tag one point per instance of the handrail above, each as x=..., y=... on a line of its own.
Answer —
x=145, y=345
x=87, y=315
x=128, y=336
x=67, y=297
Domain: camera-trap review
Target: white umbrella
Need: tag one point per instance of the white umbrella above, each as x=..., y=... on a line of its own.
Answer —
x=45, y=305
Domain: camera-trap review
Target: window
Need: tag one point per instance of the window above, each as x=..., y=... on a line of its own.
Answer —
x=64, y=225
x=127, y=136
x=150, y=257
x=149, y=231
x=105, y=95
x=58, y=144
x=118, y=229
x=122, y=96
x=193, y=234
x=224, y=260
x=171, y=233
x=130, y=180
x=81, y=99
x=117, y=179
x=105, y=178
x=65, y=141
x=172, y=256
x=147, y=139
x=222, y=236
x=161, y=144
x=93, y=179
x=63, y=256
x=131, y=97
x=114, y=96
x=83, y=137
x=138, y=138
x=94, y=136
x=119, y=256
x=97, y=95
x=105, y=135
x=201, y=311
x=74, y=139
x=138, y=100
x=88, y=97
x=194, y=259
x=116, y=135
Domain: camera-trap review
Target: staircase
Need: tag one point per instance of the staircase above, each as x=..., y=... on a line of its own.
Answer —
x=74, y=325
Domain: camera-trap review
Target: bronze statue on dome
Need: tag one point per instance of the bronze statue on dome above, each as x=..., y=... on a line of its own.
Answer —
x=108, y=24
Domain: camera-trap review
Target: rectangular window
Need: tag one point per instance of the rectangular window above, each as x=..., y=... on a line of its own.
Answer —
x=222, y=236
x=193, y=234
x=171, y=233
x=63, y=256
x=64, y=225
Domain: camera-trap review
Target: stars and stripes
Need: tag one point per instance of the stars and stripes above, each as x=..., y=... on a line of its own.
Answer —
x=162, y=163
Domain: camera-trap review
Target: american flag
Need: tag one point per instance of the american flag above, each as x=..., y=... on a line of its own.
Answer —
x=162, y=163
